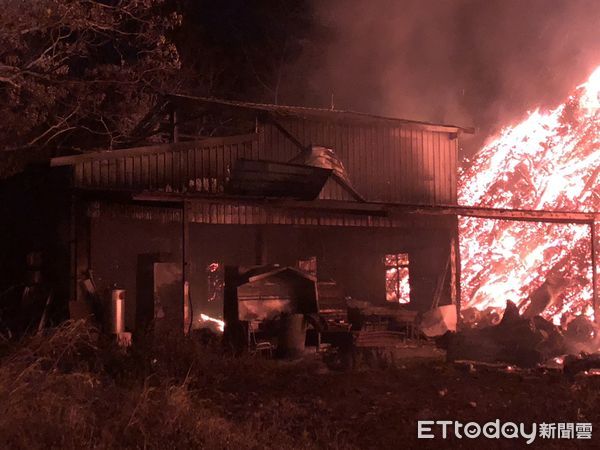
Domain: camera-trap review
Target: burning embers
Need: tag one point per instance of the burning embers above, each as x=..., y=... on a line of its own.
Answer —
x=216, y=325
x=550, y=161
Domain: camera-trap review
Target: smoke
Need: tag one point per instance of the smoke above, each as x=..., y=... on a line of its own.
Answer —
x=481, y=63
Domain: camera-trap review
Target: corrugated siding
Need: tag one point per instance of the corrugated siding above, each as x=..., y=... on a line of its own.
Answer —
x=385, y=163
x=232, y=213
x=189, y=167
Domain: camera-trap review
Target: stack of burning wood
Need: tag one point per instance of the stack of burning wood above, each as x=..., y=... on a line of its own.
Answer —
x=522, y=340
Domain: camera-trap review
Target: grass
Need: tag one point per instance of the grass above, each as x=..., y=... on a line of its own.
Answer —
x=70, y=388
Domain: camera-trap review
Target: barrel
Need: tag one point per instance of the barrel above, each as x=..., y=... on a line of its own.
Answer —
x=292, y=336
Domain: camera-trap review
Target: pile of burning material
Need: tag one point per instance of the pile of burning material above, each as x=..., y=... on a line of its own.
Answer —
x=584, y=362
x=520, y=340
x=549, y=161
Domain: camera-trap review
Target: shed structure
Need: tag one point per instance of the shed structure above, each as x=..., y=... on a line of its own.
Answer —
x=388, y=189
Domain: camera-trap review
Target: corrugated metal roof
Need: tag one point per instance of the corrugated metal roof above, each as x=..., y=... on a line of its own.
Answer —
x=320, y=113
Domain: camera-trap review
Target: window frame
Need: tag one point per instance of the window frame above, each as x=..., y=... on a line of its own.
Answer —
x=399, y=261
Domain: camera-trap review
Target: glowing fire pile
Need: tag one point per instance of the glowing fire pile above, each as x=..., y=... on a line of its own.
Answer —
x=550, y=161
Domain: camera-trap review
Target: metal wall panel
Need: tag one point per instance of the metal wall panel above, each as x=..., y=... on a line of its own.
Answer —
x=238, y=213
x=385, y=163
x=388, y=163
x=187, y=167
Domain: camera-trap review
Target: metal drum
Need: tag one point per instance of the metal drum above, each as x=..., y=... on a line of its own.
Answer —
x=116, y=319
x=292, y=336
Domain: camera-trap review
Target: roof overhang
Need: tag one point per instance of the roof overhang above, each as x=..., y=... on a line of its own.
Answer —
x=319, y=113
x=390, y=209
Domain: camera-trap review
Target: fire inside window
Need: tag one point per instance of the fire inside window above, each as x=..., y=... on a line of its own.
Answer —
x=214, y=273
x=397, y=287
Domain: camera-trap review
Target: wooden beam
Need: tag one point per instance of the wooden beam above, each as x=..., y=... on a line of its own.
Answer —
x=287, y=134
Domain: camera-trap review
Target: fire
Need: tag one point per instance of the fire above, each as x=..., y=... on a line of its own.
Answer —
x=549, y=161
x=206, y=320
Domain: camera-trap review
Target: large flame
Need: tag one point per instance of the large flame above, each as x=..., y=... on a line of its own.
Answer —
x=549, y=161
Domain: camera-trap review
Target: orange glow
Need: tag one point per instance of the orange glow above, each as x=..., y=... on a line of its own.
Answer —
x=397, y=278
x=205, y=319
x=549, y=161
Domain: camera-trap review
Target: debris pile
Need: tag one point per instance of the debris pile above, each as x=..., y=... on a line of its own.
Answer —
x=519, y=340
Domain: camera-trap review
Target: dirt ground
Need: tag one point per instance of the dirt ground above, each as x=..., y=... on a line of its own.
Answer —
x=66, y=390
x=379, y=407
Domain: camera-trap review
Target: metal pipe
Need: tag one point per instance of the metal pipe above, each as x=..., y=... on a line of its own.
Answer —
x=117, y=312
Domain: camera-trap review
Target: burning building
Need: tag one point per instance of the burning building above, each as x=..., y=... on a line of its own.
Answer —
x=368, y=207
x=360, y=202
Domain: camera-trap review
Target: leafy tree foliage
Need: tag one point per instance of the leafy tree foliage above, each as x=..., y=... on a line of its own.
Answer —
x=90, y=74
x=81, y=73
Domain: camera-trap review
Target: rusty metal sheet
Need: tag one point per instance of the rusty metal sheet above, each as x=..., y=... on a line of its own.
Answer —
x=275, y=179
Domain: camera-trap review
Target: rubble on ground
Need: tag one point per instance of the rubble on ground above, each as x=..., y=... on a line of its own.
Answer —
x=522, y=341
